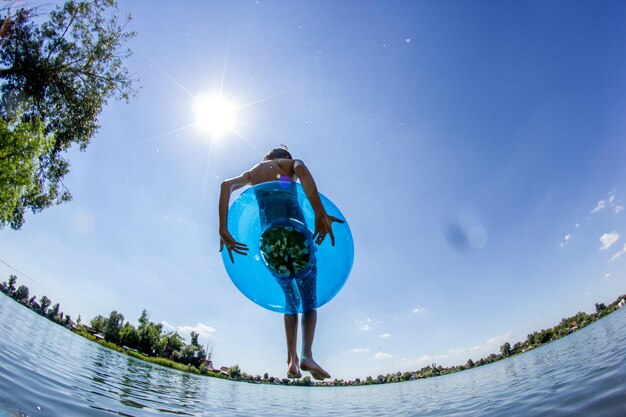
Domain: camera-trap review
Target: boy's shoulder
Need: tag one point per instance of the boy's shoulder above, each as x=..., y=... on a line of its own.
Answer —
x=282, y=163
x=269, y=170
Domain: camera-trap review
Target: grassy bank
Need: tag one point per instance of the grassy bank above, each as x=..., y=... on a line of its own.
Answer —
x=158, y=361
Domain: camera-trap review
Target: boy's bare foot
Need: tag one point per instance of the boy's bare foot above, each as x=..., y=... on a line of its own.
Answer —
x=294, y=370
x=309, y=365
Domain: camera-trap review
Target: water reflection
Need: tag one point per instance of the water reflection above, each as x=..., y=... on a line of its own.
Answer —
x=69, y=376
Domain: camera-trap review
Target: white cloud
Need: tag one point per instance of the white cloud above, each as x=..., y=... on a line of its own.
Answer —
x=365, y=325
x=382, y=355
x=490, y=346
x=167, y=326
x=359, y=350
x=609, y=202
x=607, y=275
x=424, y=360
x=608, y=239
x=498, y=340
x=385, y=335
x=600, y=206
x=618, y=254
x=418, y=310
x=566, y=240
x=420, y=361
x=202, y=329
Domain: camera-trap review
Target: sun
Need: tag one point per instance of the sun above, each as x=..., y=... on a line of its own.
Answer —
x=215, y=114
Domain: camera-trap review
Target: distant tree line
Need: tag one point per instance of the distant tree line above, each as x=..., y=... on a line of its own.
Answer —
x=152, y=343
x=42, y=307
x=148, y=338
x=566, y=326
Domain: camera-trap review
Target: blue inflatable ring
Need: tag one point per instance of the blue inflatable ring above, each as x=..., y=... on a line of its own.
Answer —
x=284, y=270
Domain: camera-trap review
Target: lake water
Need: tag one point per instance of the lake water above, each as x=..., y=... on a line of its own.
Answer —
x=46, y=370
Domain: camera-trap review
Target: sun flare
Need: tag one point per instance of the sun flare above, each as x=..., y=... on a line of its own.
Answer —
x=215, y=114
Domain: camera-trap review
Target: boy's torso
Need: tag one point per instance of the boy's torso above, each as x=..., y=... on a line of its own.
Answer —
x=272, y=170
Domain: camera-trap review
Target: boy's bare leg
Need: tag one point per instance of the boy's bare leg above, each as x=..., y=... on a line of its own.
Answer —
x=309, y=321
x=291, y=333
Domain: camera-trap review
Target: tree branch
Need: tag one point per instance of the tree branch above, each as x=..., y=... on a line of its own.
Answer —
x=58, y=41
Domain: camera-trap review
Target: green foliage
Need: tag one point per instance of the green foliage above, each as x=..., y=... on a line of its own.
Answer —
x=170, y=345
x=128, y=336
x=505, y=350
x=149, y=334
x=56, y=75
x=53, y=313
x=21, y=295
x=21, y=147
x=11, y=285
x=194, y=338
x=44, y=303
x=234, y=372
x=98, y=323
x=193, y=355
x=112, y=327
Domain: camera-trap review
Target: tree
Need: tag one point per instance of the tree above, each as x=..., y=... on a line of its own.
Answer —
x=113, y=326
x=505, y=350
x=44, y=303
x=11, y=285
x=129, y=336
x=98, y=323
x=33, y=303
x=21, y=295
x=53, y=313
x=56, y=75
x=21, y=147
x=149, y=334
x=193, y=355
x=235, y=373
x=170, y=345
x=194, y=338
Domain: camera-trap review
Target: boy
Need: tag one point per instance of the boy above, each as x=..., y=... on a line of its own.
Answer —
x=278, y=164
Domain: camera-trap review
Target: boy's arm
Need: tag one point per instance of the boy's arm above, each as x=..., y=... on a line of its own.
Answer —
x=323, y=222
x=228, y=186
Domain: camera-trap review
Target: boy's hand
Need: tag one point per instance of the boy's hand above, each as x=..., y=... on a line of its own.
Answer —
x=232, y=245
x=323, y=227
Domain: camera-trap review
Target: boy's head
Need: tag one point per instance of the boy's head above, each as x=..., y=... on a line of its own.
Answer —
x=278, y=153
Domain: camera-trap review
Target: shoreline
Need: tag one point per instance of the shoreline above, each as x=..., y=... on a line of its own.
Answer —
x=534, y=340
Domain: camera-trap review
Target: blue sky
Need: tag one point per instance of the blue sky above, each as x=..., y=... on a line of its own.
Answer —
x=476, y=149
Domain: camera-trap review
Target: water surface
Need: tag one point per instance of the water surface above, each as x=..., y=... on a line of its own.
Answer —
x=46, y=370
